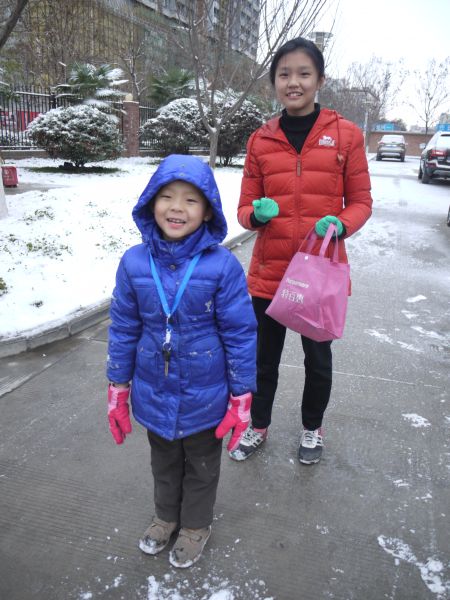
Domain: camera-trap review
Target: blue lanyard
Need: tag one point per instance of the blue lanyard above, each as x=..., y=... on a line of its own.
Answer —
x=162, y=296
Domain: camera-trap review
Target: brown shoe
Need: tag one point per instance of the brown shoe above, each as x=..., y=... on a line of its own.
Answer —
x=189, y=546
x=157, y=536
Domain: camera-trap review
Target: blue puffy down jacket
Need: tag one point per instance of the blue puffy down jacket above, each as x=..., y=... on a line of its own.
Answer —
x=214, y=327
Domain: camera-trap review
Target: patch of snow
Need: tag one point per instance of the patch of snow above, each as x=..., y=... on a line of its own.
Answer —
x=414, y=299
x=409, y=315
x=431, y=334
x=407, y=346
x=215, y=589
x=382, y=337
x=431, y=570
x=416, y=420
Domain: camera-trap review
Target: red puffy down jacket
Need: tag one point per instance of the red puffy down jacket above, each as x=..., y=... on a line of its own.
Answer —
x=328, y=177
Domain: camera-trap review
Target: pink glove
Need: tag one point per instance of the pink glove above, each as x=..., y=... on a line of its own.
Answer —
x=236, y=418
x=118, y=412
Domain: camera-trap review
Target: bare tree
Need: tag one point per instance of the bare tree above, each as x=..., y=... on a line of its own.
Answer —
x=433, y=90
x=220, y=48
x=382, y=81
x=9, y=15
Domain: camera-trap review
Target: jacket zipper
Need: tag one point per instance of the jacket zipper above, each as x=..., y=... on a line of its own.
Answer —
x=298, y=171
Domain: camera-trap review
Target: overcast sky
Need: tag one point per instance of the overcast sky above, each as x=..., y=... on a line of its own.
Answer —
x=415, y=30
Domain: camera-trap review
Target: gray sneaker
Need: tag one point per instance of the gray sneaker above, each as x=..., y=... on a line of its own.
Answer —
x=249, y=444
x=157, y=536
x=311, y=445
x=189, y=547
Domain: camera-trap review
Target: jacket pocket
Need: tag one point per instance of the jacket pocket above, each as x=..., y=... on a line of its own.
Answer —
x=149, y=367
x=207, y=367
x=261, y=244
x=198, y=302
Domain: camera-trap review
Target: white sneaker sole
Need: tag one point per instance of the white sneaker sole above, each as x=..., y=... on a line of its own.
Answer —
x=153, y=549
x=309, y=462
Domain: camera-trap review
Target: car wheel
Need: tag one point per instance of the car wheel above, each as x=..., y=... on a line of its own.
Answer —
x=425, y=177
x=402, y=158
x=420, y=171
x=448, y=217
x=378, y=157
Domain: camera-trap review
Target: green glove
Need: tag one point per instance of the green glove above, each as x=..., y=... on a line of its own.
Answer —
x=322, y=225
x=265, y=209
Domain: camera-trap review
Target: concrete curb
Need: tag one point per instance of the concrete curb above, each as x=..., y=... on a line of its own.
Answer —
x=75, y=322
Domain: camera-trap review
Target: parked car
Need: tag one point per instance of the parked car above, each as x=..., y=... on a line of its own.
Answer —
x=391, y=146
x=435, y=158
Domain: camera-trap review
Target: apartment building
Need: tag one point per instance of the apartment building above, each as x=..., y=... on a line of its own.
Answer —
x=136, y=35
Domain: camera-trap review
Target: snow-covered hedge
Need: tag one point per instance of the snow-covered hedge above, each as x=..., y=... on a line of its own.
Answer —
x=79, y=134
x=177, y=127
x=235, y=133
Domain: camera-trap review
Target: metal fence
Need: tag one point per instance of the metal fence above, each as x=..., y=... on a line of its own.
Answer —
x=20, y=106
x=146, y=113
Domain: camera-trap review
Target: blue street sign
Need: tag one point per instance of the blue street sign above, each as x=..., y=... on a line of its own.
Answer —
x=384, y=127
x=443, y=127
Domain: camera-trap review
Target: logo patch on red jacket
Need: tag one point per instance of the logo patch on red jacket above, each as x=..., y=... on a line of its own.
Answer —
x=327, y=140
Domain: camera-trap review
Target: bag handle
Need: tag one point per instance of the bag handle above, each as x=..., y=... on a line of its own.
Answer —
x=312, y=237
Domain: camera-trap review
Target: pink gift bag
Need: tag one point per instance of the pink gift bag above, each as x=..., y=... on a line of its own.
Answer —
x=312, y=296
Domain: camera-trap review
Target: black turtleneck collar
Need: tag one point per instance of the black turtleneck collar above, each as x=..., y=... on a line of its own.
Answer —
x=296, y=129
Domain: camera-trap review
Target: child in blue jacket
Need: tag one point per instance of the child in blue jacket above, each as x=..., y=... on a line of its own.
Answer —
x=183, y=333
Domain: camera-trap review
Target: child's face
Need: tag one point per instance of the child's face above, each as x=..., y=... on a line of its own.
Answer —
x=296, y=83
x=180, y=208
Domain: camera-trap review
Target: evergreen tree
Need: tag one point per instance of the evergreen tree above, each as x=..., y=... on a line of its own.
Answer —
x=176, y=83
x=79, y=134
x=88, y=84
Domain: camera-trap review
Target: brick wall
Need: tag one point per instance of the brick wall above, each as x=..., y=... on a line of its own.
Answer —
x=413, y=140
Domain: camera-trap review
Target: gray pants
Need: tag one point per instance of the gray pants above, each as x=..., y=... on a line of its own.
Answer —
x=186, y=475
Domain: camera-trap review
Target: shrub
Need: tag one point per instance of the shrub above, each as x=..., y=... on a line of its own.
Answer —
x=177, y=126
x=237, y=130
x=79, y=134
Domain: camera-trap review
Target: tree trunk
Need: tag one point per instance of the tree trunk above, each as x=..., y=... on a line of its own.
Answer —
x=11, y=21
x=3, y=207
x=213, y=144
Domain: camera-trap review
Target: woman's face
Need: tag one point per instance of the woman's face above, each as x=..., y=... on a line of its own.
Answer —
x=296, y=83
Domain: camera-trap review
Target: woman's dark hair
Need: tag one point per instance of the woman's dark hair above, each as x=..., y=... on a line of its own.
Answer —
x=305, y=46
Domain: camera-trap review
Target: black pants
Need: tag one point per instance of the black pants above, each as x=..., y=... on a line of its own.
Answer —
x=186, y=475
x=318, y=371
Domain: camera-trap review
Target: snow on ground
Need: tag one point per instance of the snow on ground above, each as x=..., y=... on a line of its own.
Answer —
x=60, y=248
x=432, y=570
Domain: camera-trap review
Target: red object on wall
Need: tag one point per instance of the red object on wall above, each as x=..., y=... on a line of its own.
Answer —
x=9, y=176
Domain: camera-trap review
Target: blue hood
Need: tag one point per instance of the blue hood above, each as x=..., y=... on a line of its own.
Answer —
x=194, y=171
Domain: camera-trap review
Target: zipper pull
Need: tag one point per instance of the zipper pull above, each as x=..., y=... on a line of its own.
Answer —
x=299, y=167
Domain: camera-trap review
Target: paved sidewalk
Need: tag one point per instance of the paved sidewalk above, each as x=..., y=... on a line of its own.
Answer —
x=369, y=522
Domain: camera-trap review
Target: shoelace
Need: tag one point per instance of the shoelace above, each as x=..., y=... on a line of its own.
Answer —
x=311, y=438
x=252, y=437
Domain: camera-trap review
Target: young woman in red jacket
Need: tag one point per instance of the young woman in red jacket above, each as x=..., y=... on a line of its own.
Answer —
x=305, y=169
